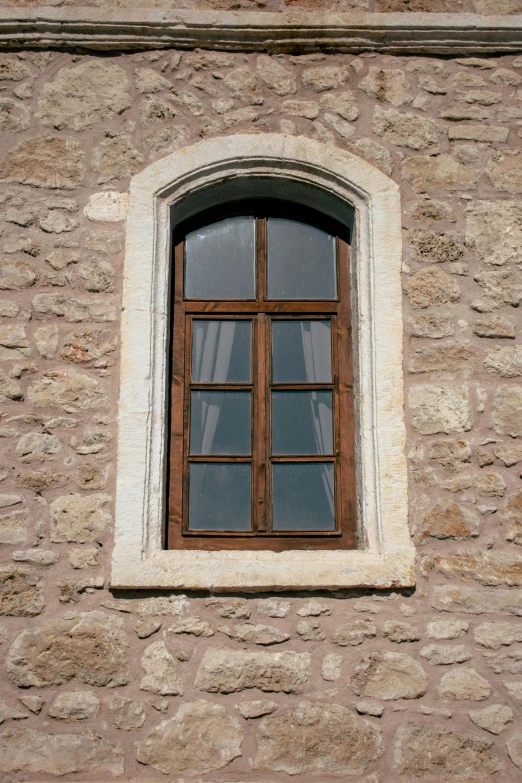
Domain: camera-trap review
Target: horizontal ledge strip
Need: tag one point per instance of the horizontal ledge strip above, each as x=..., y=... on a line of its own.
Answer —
x=135, y=29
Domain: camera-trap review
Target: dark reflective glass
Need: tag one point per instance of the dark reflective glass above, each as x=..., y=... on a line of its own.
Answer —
x=302, y=422
x=303, y=496
x=301, y=261
x=301, y=351
x=220, y=422
x=219, y=496
x=220, y=260
x=221, y=351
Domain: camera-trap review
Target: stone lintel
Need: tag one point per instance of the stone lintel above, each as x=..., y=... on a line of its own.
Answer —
x=251, y=31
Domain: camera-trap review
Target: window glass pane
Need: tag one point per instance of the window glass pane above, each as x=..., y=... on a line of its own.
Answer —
x=301, y=352
x=220, y=422
x=302, y=422
x=219, y=496
x=221, y=351
x=301, y=261
x=303, y=496
x=220, y=260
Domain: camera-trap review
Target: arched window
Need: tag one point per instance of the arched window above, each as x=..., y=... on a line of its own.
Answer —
x=274, y=336
x=262, y=413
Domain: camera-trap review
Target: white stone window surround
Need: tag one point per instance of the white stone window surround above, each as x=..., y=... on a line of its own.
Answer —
x=386, y=555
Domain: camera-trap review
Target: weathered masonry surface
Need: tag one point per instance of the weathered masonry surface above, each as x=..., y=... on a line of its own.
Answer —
x=374, y=686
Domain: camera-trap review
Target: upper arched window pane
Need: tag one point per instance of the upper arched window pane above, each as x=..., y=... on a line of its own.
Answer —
x=301, y=261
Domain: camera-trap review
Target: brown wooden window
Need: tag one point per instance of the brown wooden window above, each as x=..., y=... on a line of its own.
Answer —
x=262, y=413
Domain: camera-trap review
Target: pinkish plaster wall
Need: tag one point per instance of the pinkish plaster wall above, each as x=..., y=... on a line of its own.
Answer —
x=392, y=680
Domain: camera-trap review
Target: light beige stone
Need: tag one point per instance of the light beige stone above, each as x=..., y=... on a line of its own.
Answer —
x=33, y=703
x=434, y=248
x=488, y=134
x=194, y=626
x=34, y=752
x=126, y=714
x=449, y=357
x=506, y=362
x=37, y=447
x=434, y=750
x=494, y=326
x=74, y=705
x=451, y=454
x=90, y=647
x=84, y=96
x=494, y=230
x=243, y=83
x=440, y=409
x=9, y=389
x=55, y=222
x=175, y=605
x=256, y=634
x=325, y=77
x=45, y=162
x=13, y=70
x=464, y=684
x=494, y=635
x=228, y=671
x=431, y=286
x=107, y=207
x=16, y=275
x=441, y=172
x=439, y=628
x=515, y=690
x=165, y=140
x=297, y=108
x=354, y=633
x=46, y=338
x=74, y=310
x=399, y=632
x=78, y=518
x=97, y=275
x=116, y=158
x=434, y=325
x=445, y=654
x=146, y=628
x=471, y=600
x=506, y=416
x=256, y=709
x=489, y=567
x=42, y=557
x=485, y=483
x=161, y=671
x=276, y=77
x=374, y=153
x=510, y=514
x=514, y=749
x=201, y=738
x=20, y=592
x=387, y=84
x=505, y=172
x=318, y=739
x=14, y=116
x=342, y=103
x=149, y=81
x=406, y=130
x=331, y=667
x=67, y=387
x=500, y=288
x=310, y=631
x=389, y=676
x=273, y=607
x=505, y=77
x=87, y=345
x=13, y=527
x=509, y=662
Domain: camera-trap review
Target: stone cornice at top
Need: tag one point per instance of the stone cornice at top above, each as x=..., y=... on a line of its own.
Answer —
x=88, y=28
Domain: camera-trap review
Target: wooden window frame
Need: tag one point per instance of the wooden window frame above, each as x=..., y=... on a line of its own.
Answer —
x=262, y=312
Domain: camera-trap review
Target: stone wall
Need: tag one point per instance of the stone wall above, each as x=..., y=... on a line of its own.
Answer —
x=371, y=687
x=485, y=7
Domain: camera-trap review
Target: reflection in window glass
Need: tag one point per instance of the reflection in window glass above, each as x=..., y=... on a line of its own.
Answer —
x=219, y=496
x=302, y=422
x=220, y=422
x=221, y=351
x=301, y=351
x=301, y=261
x=220, y=260
x=303, y=496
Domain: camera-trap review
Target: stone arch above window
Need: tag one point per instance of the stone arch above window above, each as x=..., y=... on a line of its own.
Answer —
x=340, y=185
